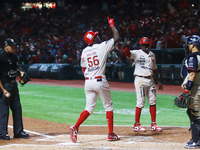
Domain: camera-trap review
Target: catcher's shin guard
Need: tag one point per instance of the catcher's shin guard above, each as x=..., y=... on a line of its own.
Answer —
x=195, y=132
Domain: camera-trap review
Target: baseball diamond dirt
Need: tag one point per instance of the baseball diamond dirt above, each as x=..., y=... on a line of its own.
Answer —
x=48, y=135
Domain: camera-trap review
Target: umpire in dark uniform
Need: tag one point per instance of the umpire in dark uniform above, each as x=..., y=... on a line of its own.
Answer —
x=9, y=93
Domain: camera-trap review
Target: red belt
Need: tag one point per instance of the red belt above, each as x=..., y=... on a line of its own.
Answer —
x=147, y=77
x=90, y=78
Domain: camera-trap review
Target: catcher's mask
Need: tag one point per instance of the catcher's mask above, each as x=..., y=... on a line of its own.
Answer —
x=89, y=36
x=195, y=39
x=145, y=44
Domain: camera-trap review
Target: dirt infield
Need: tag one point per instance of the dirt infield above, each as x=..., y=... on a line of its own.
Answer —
x=55, y=136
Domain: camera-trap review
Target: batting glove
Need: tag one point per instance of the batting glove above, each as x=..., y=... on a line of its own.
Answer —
x=110, y=21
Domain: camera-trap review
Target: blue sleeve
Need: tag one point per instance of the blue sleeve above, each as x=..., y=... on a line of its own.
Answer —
x=192, y=64
x=184, y=71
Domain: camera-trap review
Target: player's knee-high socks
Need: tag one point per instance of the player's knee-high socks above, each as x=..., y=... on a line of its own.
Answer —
x=137, y=114
x=83, y=116
x=152, y=110
x=109, y=117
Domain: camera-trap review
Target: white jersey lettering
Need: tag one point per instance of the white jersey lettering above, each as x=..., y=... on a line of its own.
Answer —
x=94, y=58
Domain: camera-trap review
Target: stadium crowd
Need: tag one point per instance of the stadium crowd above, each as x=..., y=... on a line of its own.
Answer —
x=56, y=35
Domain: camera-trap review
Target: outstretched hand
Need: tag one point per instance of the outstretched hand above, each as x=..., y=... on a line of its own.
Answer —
x=111, y=21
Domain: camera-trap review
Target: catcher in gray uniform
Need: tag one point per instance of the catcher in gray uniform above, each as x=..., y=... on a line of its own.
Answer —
x=191, y=86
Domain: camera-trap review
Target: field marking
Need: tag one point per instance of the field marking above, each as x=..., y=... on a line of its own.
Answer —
x=66, y=142
x=133, y=125
x=33, y=132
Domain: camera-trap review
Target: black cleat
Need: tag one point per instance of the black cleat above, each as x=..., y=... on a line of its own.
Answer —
x=21, y=134
x=5, y=137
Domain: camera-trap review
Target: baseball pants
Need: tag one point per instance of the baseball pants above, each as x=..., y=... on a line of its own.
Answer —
x=95, y=87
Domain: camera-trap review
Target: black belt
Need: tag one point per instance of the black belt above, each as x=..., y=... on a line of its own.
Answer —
x=147, y=77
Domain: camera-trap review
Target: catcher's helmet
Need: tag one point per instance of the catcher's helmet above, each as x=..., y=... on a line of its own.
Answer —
x=195, y=39
x=89, y=36
x=144, y=40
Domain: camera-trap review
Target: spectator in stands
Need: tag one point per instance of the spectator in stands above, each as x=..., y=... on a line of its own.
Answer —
x=153, y=40
x=63, y=28
x=119, y=70
x=161, y=43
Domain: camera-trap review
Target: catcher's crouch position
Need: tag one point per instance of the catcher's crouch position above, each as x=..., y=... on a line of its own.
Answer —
x=191, y=86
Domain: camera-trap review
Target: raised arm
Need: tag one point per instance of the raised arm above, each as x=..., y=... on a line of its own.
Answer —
x=115, y=32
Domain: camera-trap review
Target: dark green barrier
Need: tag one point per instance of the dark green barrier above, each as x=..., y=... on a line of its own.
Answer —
x=169, y=56
x=52, y=71
x=128, y=74
x=23, y=67
x=79, y=73
x=168, y=73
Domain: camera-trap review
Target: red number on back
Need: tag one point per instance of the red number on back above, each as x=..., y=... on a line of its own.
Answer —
x=94, y=62
x=90, y=64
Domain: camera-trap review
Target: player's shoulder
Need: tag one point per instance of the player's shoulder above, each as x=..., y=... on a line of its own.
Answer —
x=2, y=53
x=87, y=48
x=152, y=53
x=192, y=56
x=136, y=50
x=108, y=41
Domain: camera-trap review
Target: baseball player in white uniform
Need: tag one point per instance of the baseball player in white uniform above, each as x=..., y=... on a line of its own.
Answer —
x=93, y=63
x=145, y=69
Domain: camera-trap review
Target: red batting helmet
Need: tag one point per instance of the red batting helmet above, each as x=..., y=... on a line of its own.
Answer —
x=144, y=40
x=89, y=36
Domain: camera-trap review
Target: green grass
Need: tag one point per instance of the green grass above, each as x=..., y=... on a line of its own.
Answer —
x=64, y=105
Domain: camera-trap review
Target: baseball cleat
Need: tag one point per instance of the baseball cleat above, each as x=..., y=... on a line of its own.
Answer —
x=73, y=133
x=137, y=127
x=113, y=137
x=154, y=127
x=191, y=141
x=192, y=145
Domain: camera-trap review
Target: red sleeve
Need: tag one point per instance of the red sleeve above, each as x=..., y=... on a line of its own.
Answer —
x=127, y=52
x=83, y=69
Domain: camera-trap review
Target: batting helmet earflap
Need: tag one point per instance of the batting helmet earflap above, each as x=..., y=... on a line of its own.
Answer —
x=144, y=40
x=89, y=36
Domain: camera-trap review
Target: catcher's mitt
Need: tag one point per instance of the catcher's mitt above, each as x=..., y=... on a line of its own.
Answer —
x=182, y=101
x=24, y=78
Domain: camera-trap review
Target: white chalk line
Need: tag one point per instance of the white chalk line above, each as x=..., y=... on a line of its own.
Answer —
x=59, y=144
x=33, y=132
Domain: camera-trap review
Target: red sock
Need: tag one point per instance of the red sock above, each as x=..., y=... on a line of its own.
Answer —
x=153, y=113
x=109, y=117
x=137, y=114
x=83, y=116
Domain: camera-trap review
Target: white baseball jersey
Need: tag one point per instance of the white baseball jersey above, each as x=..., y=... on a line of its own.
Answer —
x=144, y=63
x=94, y=58
x=144, y=66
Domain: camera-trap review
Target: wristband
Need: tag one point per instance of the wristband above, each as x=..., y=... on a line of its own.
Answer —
x=189, y=85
